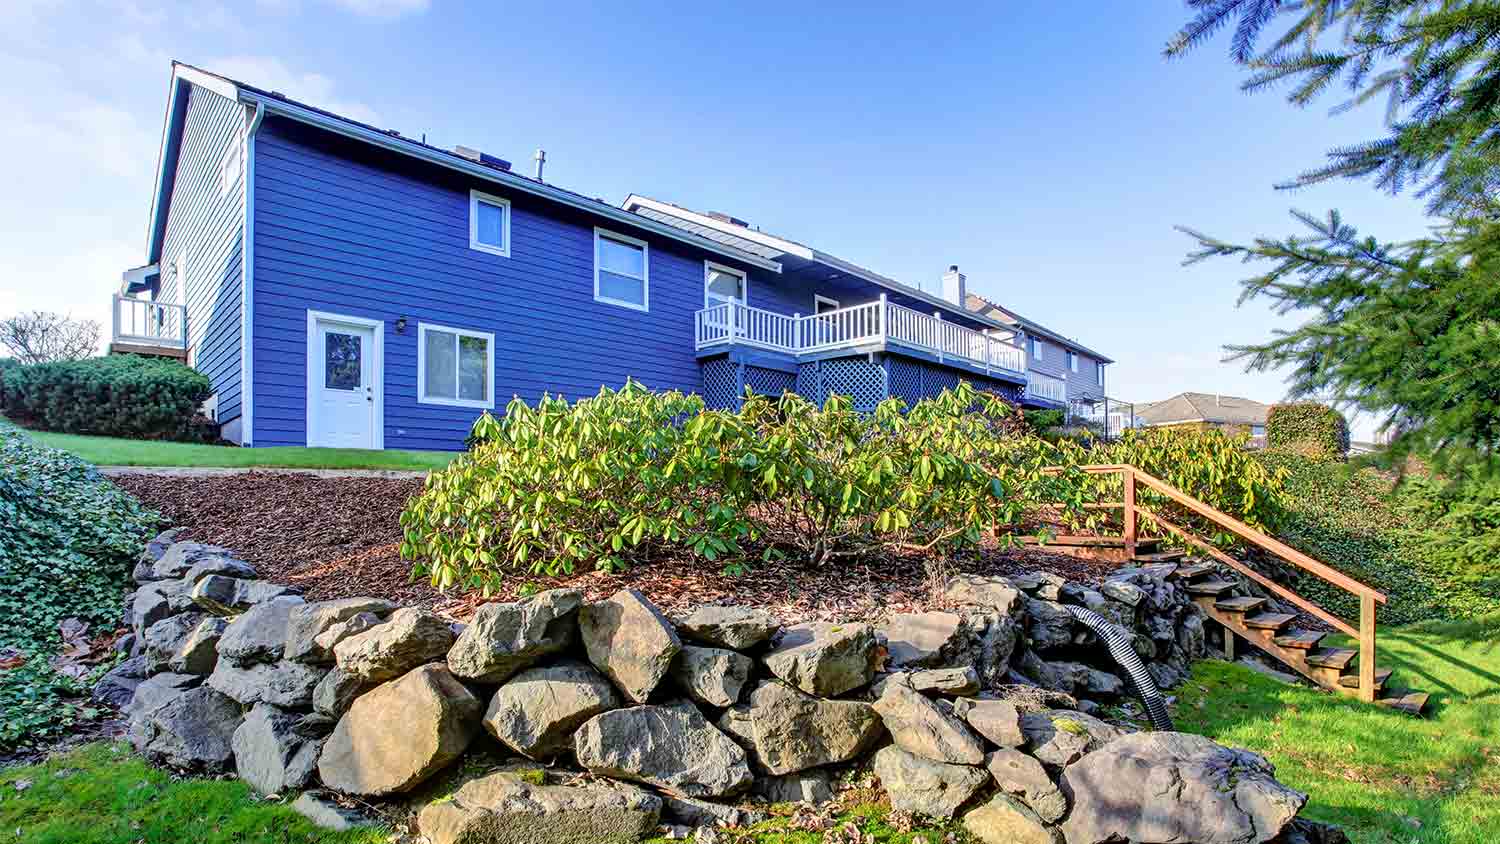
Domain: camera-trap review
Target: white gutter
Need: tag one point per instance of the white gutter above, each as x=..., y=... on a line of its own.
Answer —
x=511, y=180
x=247, y=283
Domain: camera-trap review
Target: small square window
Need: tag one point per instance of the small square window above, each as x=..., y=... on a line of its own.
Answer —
x=622, y=270
x=1099, y=374
x=489, y=224
x=229, y=167
x=455, y=366
x=1036, y=348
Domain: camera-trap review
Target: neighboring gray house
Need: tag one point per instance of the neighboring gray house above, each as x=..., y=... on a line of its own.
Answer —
x=1060, y=371
x=1206, y=410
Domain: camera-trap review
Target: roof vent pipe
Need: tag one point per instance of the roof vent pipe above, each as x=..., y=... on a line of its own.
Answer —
x=541, y=158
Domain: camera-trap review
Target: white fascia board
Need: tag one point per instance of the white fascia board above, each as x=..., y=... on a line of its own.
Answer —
x=787, y=246
x=519, y=183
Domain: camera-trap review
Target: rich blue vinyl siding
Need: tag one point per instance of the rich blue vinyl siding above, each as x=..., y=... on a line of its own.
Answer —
x=347, y=229
x=206, y=227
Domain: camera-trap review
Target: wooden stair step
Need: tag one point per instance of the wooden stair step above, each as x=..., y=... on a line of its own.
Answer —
x=1335, y=658
x=1300, y=639
x=1244, y=604
x=1351, y=681
x=1209, y=587
x=1192, y=570
x=1269, y=620
x=1404, y=700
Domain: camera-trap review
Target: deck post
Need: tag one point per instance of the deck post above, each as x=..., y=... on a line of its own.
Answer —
x=881, y=319
x=1367, y=647
x=1127, y=477
x=116, y=319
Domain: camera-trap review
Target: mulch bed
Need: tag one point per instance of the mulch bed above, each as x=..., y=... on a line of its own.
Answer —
x=340, y=537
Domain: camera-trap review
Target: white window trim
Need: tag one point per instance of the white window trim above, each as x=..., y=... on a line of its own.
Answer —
x=489, y=338
x=826, y=300
x=645, y=303
x=476, y=197
x=709, y=267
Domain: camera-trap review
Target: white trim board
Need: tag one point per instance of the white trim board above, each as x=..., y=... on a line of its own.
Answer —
x=247, y=285
x=377, y=372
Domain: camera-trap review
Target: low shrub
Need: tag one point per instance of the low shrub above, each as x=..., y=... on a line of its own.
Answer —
x=1310, y=429
x=625, y=474
x=116, y=395
x=66, y=551
x=1455, y=524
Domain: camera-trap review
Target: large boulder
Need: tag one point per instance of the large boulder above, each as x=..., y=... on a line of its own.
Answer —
x=630, y=640
x=537, y=711
x=324, y=812
x=1024, y=778
x=306, y=623
x=185, y=644
x=787, y=731
x=973, y=590
x=155, y=549
x=118, y=685
x=826, y=660
x=814, y=787
x=273, y=751
x=286, y=684
x=1070, y=677
x=224, y=595
x=1049, y=625
x=922, y=640
x=711, y=676
x=919, y=726
x=1059, y=737
x=410, y=637
x=336, y=692
x=191, y=730
x=1175, y=787
x=736, y=628
x=502, y=639
x=505, y=809
x=400, y=733
x=920, y=785
x=146, y=606
x=997, y=720
x=956, y=682
x=259, y=635
x=181, y=557
x=1005, y=820
x=158, y=689
x=671, y=747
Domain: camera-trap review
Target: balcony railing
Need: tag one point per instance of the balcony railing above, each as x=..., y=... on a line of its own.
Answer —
x=872, y=322
x=142, y=322
x=1039, y=386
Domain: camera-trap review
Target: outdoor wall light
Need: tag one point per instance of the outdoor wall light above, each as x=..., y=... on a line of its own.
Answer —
x=401, y=325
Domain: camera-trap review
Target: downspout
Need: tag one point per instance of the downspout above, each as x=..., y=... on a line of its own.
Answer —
x=247, y=286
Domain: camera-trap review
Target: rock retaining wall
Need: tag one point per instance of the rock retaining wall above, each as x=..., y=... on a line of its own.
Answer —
x=980, y=711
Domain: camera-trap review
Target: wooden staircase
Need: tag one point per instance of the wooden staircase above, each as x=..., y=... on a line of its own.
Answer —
x=1347, y=671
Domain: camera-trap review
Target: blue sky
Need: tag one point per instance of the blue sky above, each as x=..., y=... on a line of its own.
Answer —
x=1046, y=148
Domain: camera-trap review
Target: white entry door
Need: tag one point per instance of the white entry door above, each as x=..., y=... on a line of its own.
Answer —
x=343, y=376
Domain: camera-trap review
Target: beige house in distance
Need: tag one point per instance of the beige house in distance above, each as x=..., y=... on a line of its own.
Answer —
x=1230, y=413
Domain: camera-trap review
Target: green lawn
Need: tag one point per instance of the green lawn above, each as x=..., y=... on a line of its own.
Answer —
x=1386, y=777
x=113, y=451
x=101, y=794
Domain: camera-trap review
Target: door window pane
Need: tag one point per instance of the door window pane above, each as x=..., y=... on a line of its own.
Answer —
x=440, y=373
x=342, y=360
x=473, y=368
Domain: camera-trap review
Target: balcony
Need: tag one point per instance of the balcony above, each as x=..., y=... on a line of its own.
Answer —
x=144, y=327
x=873, y=326
x=1045, y=388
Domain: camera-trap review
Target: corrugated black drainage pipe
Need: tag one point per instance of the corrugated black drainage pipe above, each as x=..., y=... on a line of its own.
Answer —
x=1123, y=650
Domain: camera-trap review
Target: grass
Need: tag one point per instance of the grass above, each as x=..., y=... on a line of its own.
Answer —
x=114, y=451
x=1386, y=777
x=101, y=794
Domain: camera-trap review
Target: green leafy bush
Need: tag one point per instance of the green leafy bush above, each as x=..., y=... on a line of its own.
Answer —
x=1045, y=419
x=68, y=543
x=1456, y=526
x=628, y=473
x=1312, y=430
x=117, y=395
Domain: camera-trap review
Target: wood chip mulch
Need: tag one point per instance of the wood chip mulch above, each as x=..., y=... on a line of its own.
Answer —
x=339, y=537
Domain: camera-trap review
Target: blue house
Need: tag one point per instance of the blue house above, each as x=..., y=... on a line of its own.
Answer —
x=344, y=285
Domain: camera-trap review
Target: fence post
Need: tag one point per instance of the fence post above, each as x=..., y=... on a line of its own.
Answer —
x=881, y=318
x=1127, y=475
x=1367, y=647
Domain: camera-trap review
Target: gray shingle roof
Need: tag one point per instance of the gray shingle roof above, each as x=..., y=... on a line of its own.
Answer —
x=1206, y=407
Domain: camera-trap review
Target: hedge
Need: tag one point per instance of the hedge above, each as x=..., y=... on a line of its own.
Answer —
x=66, y=552
x=1312, y=430
x=117, y=396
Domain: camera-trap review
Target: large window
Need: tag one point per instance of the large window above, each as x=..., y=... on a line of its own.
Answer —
x=1036, y=348
x=621, y=274
x=489, y=223
x=722, y=285
x=455, y=366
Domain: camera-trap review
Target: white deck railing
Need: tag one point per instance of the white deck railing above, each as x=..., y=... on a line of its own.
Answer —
x=147, y=323
x=872, y=322
x=1046, y=387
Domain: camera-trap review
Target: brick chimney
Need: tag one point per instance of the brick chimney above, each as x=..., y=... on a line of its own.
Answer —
x=954, y=288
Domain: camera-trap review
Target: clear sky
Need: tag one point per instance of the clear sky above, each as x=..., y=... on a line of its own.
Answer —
x=1046, y=148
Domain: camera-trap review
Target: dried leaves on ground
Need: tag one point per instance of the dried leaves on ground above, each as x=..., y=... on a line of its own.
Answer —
x=339, y=537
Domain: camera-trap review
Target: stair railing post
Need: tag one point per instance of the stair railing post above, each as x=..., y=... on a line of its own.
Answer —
x=1127, y=476
x=1367, y=647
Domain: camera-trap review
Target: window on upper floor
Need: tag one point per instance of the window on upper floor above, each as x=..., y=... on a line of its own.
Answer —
x=722, y=285
x=1099, y=374
x=229, y=166
x=1036, y=348
x=455, y=366
x=1072, y=361
x=621, y=270
x=489, y=224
